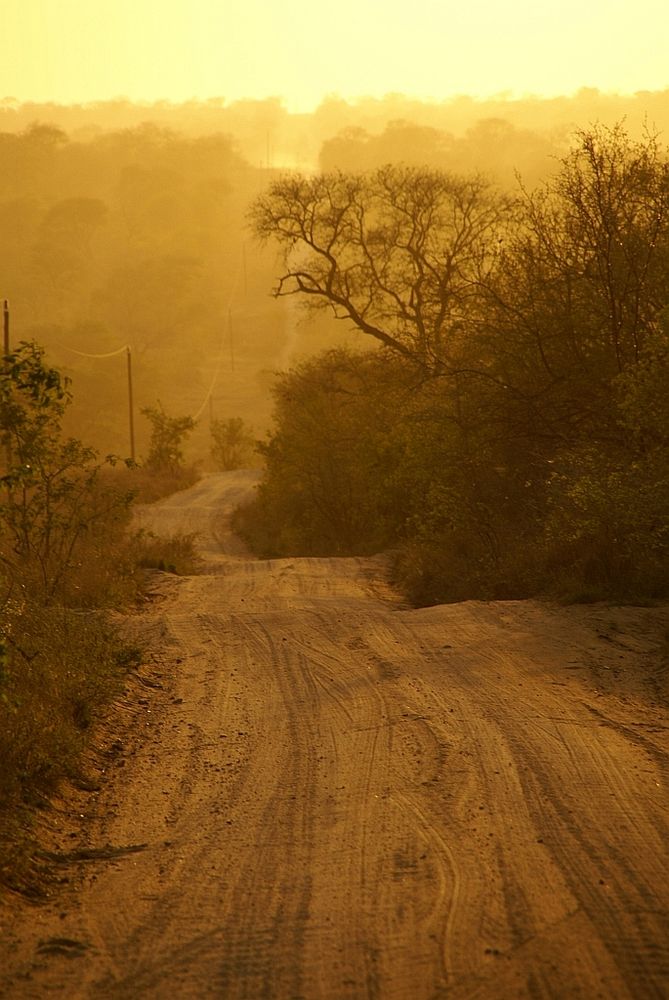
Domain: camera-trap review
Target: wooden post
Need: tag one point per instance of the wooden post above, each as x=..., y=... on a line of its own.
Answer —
x=6, y=326
x=131, y=415
x=232, y=342
x=6, y=435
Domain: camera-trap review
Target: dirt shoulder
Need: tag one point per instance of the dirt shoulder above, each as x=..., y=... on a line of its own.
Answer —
x=320, y=793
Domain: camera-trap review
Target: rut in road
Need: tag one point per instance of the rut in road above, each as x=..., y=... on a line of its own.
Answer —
x=341, y=797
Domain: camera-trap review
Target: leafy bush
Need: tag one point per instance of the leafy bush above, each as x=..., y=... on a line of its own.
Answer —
x=232, y=445
x=607, y=525
x=368, y=455
x=328, y=464
x=54, y=509
x=167, y=434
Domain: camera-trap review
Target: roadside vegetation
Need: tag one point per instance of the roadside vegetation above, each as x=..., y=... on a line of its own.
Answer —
x=509, y=435
x=164, y=470
x=232, y=444
x=68, y=554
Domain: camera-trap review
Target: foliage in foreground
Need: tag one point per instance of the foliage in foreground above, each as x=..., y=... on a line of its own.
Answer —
x=67, y=552
x=511, y=435
x=59, y=670
x=60, y=510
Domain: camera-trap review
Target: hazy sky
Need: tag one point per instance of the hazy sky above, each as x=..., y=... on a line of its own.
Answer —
x=303, y=50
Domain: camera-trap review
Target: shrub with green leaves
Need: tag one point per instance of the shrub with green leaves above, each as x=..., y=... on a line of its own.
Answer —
x=607, y=524
x=66, y=552
x=55, y=511
x=329, y=464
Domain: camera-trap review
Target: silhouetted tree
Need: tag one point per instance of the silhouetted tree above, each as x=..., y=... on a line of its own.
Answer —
x=581, y=285
x=400, y=252
x=548, y=422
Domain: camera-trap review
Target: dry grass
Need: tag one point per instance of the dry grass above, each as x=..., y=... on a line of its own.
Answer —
x=147, y=486
x=175, y=554
x=61, y=667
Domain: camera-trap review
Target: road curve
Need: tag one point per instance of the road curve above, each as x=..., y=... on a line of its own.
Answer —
x=322, y=794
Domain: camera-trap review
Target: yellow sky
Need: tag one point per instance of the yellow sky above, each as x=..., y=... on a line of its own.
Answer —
x=303, y=50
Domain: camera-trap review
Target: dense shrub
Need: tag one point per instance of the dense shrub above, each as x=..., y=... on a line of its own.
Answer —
x=58, y=507
x=330, y=461
x=167, y=435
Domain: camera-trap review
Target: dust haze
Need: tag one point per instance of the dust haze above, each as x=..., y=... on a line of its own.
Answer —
x=398, y=729
x=125, y=225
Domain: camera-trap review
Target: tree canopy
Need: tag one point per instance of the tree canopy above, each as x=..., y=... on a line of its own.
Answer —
x=400, y=252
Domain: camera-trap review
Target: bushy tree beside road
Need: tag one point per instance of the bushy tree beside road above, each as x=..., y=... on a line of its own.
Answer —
x=533, y=448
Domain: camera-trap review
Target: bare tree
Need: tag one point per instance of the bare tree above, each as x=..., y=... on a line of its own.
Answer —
x=399, y=252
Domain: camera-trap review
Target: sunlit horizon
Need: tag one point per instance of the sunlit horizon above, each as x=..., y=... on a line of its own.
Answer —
x=87, y=52
x=297, y=108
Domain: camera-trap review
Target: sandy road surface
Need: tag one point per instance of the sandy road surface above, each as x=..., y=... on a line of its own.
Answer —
x=337, y=797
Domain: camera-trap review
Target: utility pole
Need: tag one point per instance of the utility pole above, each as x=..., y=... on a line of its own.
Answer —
x=7, y=436
x=131, y=414
x=232, y=342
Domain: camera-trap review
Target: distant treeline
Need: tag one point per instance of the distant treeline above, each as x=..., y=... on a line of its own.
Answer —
x=134, y=237
x=266, y=134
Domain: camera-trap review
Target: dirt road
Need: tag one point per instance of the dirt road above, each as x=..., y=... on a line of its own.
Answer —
x=320, y=793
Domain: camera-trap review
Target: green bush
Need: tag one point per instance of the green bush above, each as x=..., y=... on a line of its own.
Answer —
x=55, y=509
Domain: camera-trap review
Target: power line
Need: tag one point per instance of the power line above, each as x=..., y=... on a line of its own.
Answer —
x=84, y=354
x=219, y=361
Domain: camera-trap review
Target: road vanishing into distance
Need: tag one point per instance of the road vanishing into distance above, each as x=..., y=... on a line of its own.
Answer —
x=314, y=792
